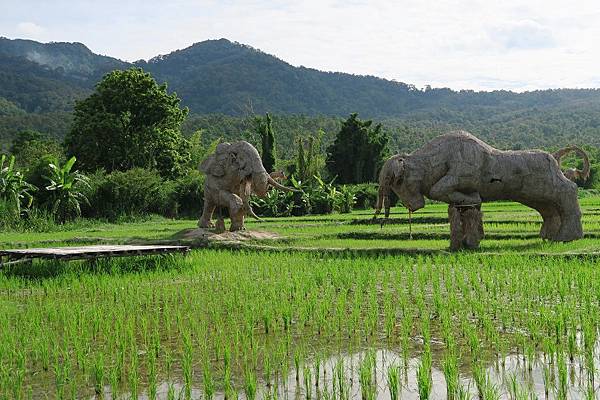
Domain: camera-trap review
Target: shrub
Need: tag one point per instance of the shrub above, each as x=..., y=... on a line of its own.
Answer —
x=134, y=192
x=9, y=218
x=187, y=198
x=366, y=195
x=97, y=181
x=33, y=219
x=36, y=176
x=275, y=204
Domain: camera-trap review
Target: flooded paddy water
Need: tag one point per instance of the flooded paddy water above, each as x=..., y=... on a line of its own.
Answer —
x=339, y=377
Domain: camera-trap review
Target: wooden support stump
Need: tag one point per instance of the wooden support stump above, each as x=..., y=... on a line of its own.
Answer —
x=466, y=226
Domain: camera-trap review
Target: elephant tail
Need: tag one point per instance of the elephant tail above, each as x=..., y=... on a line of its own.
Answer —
x=582, y=174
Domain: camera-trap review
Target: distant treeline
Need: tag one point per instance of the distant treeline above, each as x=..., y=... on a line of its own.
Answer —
x=533, y=128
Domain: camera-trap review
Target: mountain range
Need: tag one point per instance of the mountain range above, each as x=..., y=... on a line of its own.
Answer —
x=40, y=82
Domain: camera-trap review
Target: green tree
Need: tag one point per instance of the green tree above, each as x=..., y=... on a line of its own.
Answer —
x=30, y=146
x=358, y=151
x=309, y=160
x=264, y=128
x=129, y=121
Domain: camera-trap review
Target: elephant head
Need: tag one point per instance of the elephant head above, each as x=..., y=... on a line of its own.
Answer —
x=398, y=175
x=239, y=167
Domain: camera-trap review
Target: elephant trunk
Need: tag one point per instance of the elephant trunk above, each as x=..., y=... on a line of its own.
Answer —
x=383, y=199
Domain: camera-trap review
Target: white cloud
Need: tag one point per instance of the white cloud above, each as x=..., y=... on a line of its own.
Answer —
x=30, y=29
x=525, y=34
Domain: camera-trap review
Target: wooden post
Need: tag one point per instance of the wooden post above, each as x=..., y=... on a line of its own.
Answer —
x=466, y=226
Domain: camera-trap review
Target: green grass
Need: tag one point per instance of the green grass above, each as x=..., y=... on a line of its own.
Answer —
x=509, y=228
x=285, y=317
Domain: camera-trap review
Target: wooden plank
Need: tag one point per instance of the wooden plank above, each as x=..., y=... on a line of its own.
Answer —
x=90, y=252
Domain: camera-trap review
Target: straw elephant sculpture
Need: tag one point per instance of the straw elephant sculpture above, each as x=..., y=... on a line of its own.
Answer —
x=459, y=169
x=233, y=173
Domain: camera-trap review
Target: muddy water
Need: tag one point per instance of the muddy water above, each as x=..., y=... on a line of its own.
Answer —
x=293, y=386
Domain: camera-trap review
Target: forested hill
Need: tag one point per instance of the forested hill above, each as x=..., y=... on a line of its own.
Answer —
x=39, y=84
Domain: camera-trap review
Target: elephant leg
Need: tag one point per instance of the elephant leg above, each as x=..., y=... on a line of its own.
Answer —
x=551, y=224
x=449, y=191
x=570, y=216
x=207, y=212
x=220, y=226
x=466, y=227
x=472, y=222
x=235, y=205
x=456, y=228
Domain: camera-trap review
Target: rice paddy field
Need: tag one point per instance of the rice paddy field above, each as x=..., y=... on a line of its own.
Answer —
x=337, y=308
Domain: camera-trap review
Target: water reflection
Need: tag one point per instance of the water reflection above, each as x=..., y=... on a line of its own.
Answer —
x=339, y=378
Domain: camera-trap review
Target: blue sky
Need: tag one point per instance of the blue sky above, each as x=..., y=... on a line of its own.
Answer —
x=516, y=45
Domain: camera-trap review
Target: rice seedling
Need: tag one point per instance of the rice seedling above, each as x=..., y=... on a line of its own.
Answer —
x=297, y=359
x=451, y=374
x=171, y=392
x=186, y=364
x=114, y=380
x=134, y=374
x=463, y=393
x=207, y=382
x=152, y=375
x=590, y=393
x=424, y=379
x=341, y=389
x=250, y=384
x=98, y=371
x=394, y=382
x=307, y=378
x=61, y=374
x=548, y=381
x=317, y=369
x=562, y=384
x=368, y=387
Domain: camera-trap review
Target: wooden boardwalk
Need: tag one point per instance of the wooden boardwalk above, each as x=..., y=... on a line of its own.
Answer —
x=14, y=256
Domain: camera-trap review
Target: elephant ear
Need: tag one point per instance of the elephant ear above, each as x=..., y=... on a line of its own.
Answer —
x=211, y=166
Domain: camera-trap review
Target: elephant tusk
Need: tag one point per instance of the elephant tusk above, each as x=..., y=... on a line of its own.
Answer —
x=279, y=186
x=252, y=214
x=249, y=209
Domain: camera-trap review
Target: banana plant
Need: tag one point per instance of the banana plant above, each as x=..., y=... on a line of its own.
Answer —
x=67, y=186
x=344, y=200
x=13, y=187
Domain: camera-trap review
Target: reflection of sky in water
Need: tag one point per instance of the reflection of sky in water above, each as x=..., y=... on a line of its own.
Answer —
x=288, y=388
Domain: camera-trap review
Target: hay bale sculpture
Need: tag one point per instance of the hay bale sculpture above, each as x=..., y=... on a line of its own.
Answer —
x=459, y=169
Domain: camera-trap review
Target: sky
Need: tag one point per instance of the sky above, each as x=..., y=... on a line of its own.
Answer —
x=480, y=45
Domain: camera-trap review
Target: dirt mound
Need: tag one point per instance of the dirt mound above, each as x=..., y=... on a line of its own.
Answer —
x=239, y=236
